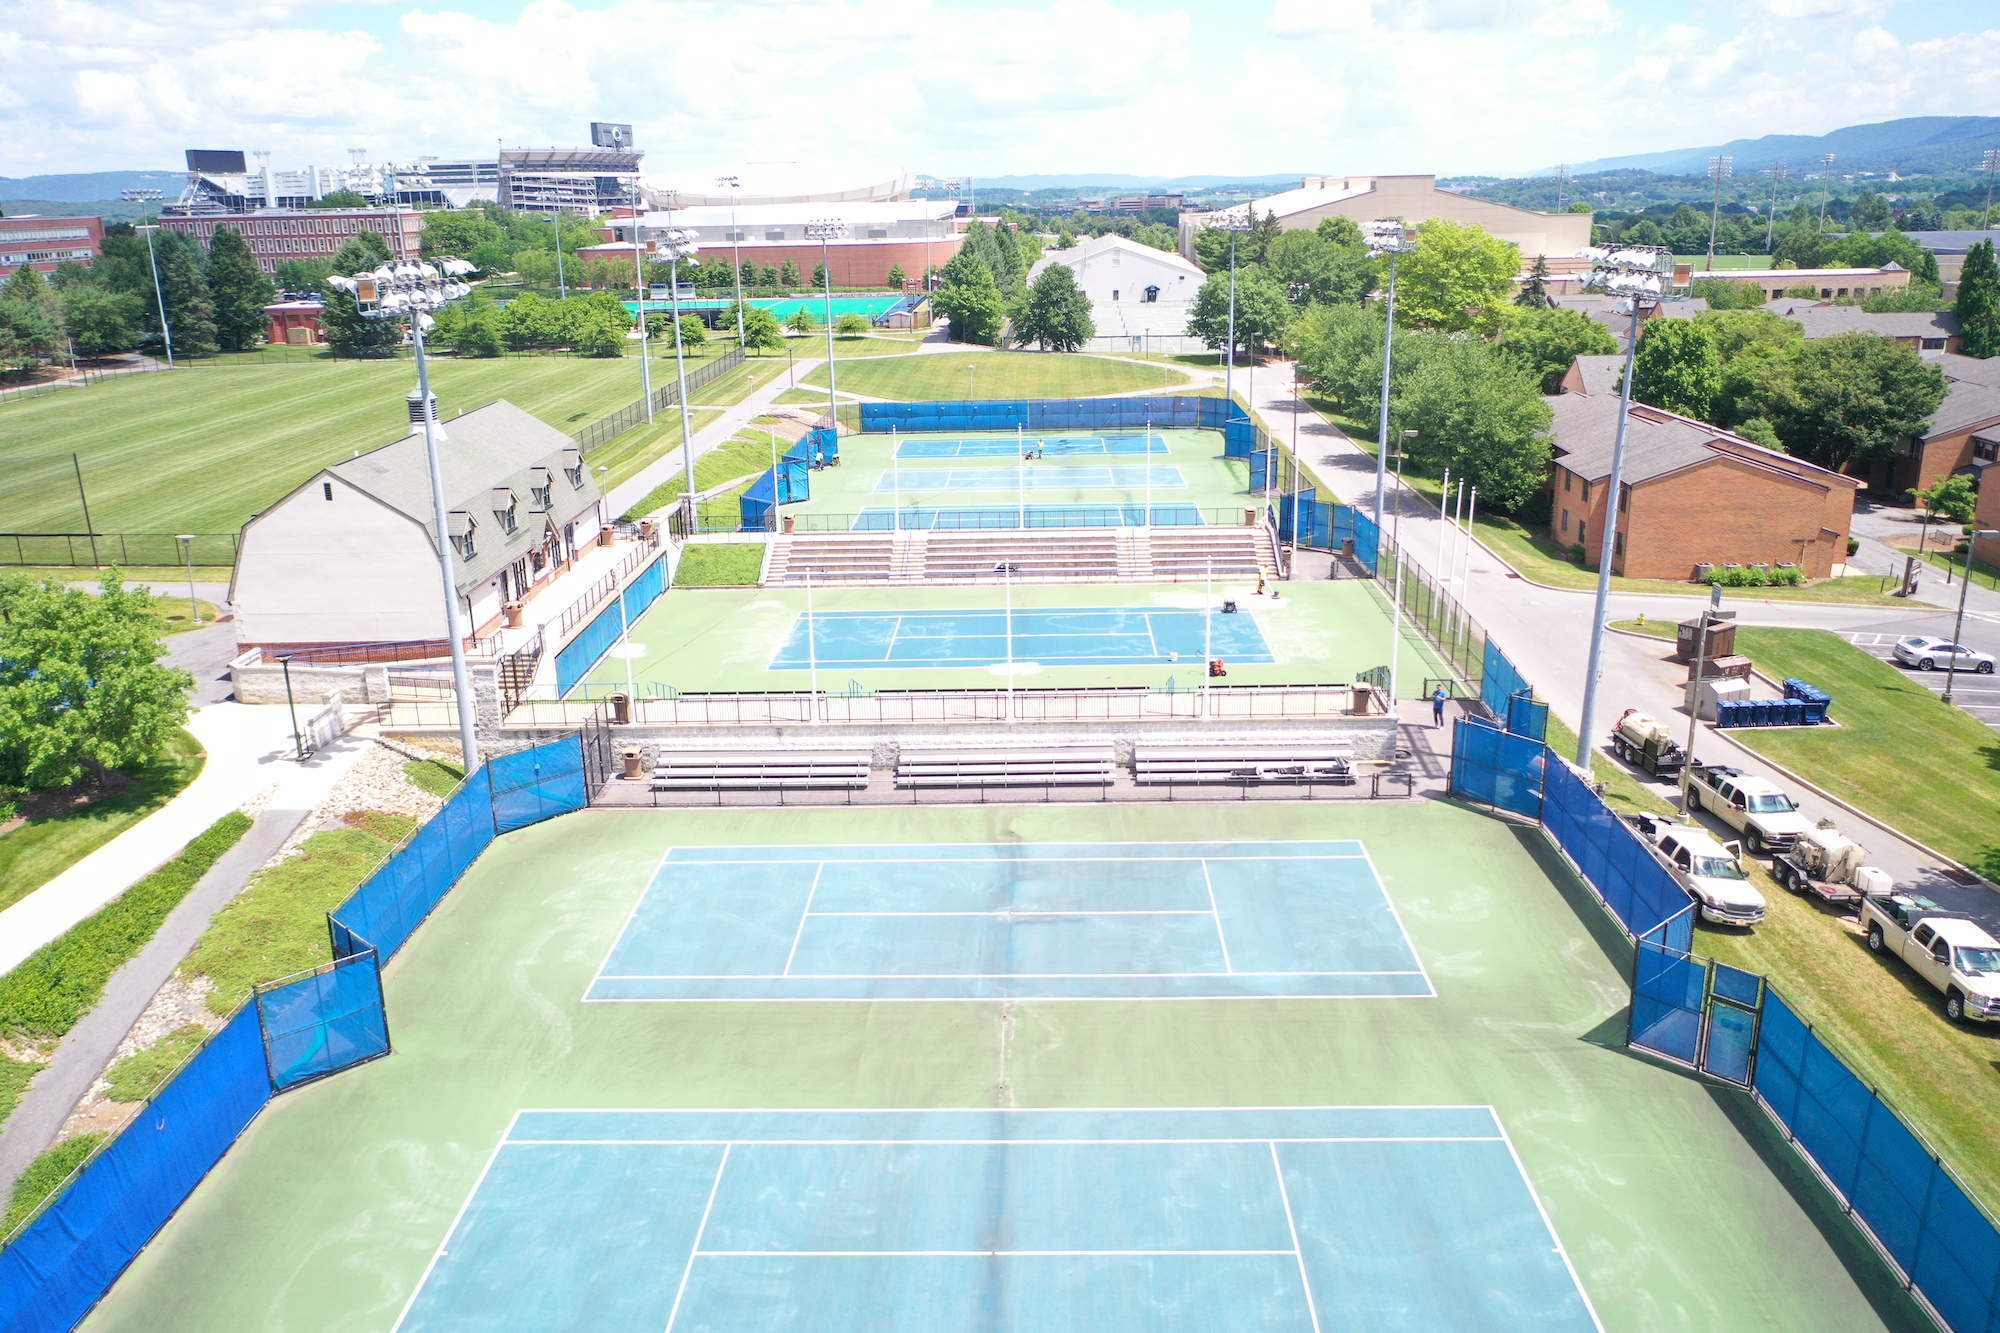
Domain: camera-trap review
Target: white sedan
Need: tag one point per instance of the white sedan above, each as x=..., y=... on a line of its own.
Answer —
x=1929, y=654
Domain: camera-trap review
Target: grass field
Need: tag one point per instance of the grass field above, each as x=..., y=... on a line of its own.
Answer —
x=938, y=376
x=720, y=565
x=1677, y=1203
x=200, y=450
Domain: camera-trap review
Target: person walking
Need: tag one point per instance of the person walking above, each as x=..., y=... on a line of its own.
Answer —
x=1438, y=697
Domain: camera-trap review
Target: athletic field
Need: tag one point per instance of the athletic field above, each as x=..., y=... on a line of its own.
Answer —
x=873, y=1148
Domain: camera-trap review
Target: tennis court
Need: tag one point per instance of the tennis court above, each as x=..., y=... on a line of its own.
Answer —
x=917, y=1221
x=970, y=921
x=1079, y=636
x=1041, y=477
x=882, y=518
x=1010, y=446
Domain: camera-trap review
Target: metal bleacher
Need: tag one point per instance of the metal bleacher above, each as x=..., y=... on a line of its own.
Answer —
x=1245, y=763
x=1047, y=766
x=761, y=770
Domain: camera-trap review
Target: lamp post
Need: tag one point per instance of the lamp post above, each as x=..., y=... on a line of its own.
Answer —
x=1825, y=188
x=1640, y=276
x=825, y=230
x=292, y=707
x=186, y=539
x=736, y=242
x=1387, y=236
x=679, y=243
x=1233, y=222
x=1958, y=624
x=1006, y=571
x=1396, y=594
x=639, y=282
x=971, y=371
x=1992, y=164
x=1720, y=169
x=166, y=331
x=1771, y=222
x=408, y=290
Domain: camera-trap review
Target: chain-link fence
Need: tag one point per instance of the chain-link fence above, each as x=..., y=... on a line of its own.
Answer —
x=86, y=549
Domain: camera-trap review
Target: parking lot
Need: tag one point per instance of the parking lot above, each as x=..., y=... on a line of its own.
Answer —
x=1976, y=694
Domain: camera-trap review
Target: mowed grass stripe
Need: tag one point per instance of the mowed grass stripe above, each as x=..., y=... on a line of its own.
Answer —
x=998, y=375
x=200, y=450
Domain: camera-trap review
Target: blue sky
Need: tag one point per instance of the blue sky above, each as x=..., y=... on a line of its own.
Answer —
x=861, y=88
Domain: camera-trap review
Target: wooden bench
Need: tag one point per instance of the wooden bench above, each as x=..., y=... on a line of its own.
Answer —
x=1246, y=764
x=759, y=770
x=1037, y=766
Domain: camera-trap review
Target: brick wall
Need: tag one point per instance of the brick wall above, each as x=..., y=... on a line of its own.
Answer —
x=1724, y=511
x=1574, y=518
x=1987, y=516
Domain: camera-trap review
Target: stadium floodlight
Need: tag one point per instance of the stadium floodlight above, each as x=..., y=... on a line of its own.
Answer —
x=141, y=196
x=1825, y=188
x=678, y=243
x=732, y=184
x=1771, y=222
x=1386, y=236
x=1641, y=277
x=1720, y=169
x=411, y=290
x=166, y=330
x=825, y=231
x=1233, y=221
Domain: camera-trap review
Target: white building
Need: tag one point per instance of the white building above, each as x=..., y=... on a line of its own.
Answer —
x=1135, y=291
x=351, y=556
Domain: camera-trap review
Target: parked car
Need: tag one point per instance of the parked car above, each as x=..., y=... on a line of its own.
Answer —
x=1930, y=654
x=1711, y=871
x=1951, y=953
x=1758, y=808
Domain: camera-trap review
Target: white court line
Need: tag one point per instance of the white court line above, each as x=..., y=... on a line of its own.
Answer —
x=889, y=650
x=992, y=1143
x=1217, y=914
x=974, y=976
x=687, y=1269
x=1534, y=1194
x=1027, y=913
x=973, y=1254
x=998, y=861
x=1372, y=1108
x=1285, y=1197
x=1382, y=886
x=456, y=1218
x=797, y=934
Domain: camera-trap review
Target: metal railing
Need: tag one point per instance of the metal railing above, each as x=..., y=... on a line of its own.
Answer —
x=574, y=614
x=375, y=654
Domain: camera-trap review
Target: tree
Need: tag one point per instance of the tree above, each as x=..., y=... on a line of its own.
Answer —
x=1534, y=292
x=1458, y=278
x=190, y=308
x=1057, y=313
x=1544, y=340
x=239, y=289
x=1312, y=268
x=1870, y=212
x=82, y=687
x=1953, y=498
x=1339, y=230
x=1979, y=301
x=340, y=199
x=1755, y=346
x=1157, y=235
x=819, y=277
x=897, y=277
x=29, y=334
x=968, y=296
x=1262, y=312
x=851, y=325
x=760, y=331
x=461, y=232
x=1478, y=413
x=800, y=321
x=1065, y=239
x=348, y=332
x=1728, y=294
x=694, y=333
x=1922, y=216
x=1678, y=368
x=596, y=324
x=788, y=275
x=1849, y=398
x=1339, y=348
x=302, y=275
x=1919, y=297
x=101, y=322
x=25, y=284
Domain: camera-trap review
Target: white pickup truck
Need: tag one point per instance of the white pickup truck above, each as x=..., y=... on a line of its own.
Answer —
x=1712, y=872
x=1951, y=953
x=1768, y=819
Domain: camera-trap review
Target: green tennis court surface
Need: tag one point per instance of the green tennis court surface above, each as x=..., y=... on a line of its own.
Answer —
x=1153, y=1221
x=1678, y=1207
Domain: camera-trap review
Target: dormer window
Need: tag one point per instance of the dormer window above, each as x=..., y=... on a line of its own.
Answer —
x=572, y=466
x=503, y=507
x=463, y=525
x=540, y=487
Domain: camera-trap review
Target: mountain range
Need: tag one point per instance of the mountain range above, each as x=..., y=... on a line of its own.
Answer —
x=1913, y=144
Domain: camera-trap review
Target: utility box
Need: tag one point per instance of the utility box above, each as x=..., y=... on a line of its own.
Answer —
x=1721, y=637
x=1704, y=696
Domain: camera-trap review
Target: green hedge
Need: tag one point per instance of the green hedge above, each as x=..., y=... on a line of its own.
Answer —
x=59, y=983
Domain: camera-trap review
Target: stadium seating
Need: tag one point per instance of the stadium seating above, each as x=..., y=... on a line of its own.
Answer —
x=1104, y=555
x=1304, y=761
x=1030, y=766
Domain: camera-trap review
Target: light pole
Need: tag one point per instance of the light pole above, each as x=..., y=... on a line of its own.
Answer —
x=1006, y=571
x=639, y=283
x=736, y=242
x=679, y=243
x=971, y=371
x=825, y=230
x=1640, y=276
x=1233, y=222
x=408, y=290
x=1720, y=169
x=1396, y=594
x=1389, y=237
x=1825, y=188
x=1992, y=164
x=562, y=284
x=812, y=647
x=1958, y=625
x=1771, y=223
x=292, y=707
x=186, y=539
x=166, y=331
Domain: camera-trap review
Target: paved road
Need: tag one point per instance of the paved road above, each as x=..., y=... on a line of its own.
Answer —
x=1546, y=633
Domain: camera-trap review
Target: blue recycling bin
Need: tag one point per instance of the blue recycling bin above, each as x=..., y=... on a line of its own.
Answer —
x=1814, y=711
x=1795, y=713
x=1725, y=713
x=1760, y=712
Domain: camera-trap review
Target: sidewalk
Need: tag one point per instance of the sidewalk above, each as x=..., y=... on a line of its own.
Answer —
x=249, y=750
x=628, y=493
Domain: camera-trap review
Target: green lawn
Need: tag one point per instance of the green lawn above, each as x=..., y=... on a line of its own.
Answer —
x=1983, y=574
x=1901, y=754
x=46, y=1172
x=200, y=450
x=41, y=849
x=720, y=565
x=934, y=376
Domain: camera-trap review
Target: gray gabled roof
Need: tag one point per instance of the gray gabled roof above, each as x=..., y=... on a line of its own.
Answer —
x=1604, y=309
x=1601, y=374
x=1965, y=406
x=1971, y=369
x=498, y=445
x=1823, y=320
x=1658, y=443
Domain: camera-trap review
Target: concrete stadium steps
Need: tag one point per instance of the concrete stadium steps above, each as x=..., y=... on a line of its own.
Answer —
x=1101, y=555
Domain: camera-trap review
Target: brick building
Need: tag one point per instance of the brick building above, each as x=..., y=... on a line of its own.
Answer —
x=914, y=233
x=46, y=242
x=276, y=235
x=295, y=322
x=1692, y=494
x=1924, y=330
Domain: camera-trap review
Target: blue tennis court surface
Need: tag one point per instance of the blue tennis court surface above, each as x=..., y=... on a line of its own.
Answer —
x=1282, y=1220
x=1010, y=446
x=881, y=518
x=983, y=921
x=1076, y=636
x=1035, y=477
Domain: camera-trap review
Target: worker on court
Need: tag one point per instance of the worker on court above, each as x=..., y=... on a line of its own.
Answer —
x=1438, y=697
